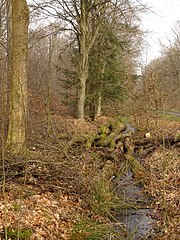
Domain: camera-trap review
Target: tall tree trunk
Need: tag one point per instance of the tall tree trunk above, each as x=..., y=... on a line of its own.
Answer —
x=16, y=141
x=99, y=98
x=81, y=94
x=99, y=104
x=83, y=60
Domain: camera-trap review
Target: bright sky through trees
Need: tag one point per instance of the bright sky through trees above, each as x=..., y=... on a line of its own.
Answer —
x=159, y=22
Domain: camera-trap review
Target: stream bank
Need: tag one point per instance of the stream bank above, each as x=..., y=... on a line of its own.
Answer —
x=117, y=144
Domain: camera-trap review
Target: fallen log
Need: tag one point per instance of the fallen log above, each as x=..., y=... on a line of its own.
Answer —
x=136, y=167
x=145, y=141
x=167, y=141
x=75, y=140
x=114, y=135
x=108, y=135
x=177, y=136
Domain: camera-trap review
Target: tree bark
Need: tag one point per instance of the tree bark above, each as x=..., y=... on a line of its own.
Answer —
x=99, y=99
x=81, y=94
x=16, y=141
x=99, y=105
x=83, y=61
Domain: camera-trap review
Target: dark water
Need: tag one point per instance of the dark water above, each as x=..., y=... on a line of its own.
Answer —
x=137, y=217
x=129, y=128
x=174, y=114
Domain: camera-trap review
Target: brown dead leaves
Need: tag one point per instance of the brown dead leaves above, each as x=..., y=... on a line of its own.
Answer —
x=163, y=185
x=48, y=217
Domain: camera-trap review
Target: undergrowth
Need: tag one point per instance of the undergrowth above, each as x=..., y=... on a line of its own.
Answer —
x=88, y=229
x=104, y=199
x=20, y=234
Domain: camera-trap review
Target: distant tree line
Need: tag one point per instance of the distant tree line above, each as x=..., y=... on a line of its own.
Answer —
x=162, y=76
x=158, y=88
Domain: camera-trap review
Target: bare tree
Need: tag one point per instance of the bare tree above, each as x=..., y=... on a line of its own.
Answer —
x=84, y=18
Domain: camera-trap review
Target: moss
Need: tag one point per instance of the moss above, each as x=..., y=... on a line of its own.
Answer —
x=177, y=137
x=107, y=136
x=136, y=167
x=91, y=139
x=104, y=130
x=108, y=140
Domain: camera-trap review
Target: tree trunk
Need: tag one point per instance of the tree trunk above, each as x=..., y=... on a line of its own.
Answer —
x=81, y=94
x=16, y=141
x=99, y=105
x=83, y=61
x=99, y=99
x=87, y=35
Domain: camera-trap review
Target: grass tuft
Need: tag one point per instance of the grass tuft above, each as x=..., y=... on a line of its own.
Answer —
x=21, y=234
x=88, y=229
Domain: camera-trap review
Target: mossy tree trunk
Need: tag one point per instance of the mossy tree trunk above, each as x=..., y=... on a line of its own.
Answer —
x=18, y=51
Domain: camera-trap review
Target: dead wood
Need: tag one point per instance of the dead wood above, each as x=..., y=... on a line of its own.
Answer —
x=136, y=167
x=145, y=141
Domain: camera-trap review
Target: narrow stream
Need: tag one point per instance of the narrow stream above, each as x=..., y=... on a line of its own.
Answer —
x=137, y=217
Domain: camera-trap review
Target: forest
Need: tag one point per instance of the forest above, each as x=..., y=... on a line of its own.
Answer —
x=89, y=136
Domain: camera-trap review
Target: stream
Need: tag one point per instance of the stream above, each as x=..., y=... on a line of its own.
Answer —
x=177, y=114
x=137, y=217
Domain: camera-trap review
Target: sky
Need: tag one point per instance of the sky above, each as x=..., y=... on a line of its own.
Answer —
x=159, y=22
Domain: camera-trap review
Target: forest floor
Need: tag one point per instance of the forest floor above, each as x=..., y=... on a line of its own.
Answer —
x=49, y=194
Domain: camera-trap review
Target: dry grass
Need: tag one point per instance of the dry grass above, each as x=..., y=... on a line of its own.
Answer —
x=163, y=183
